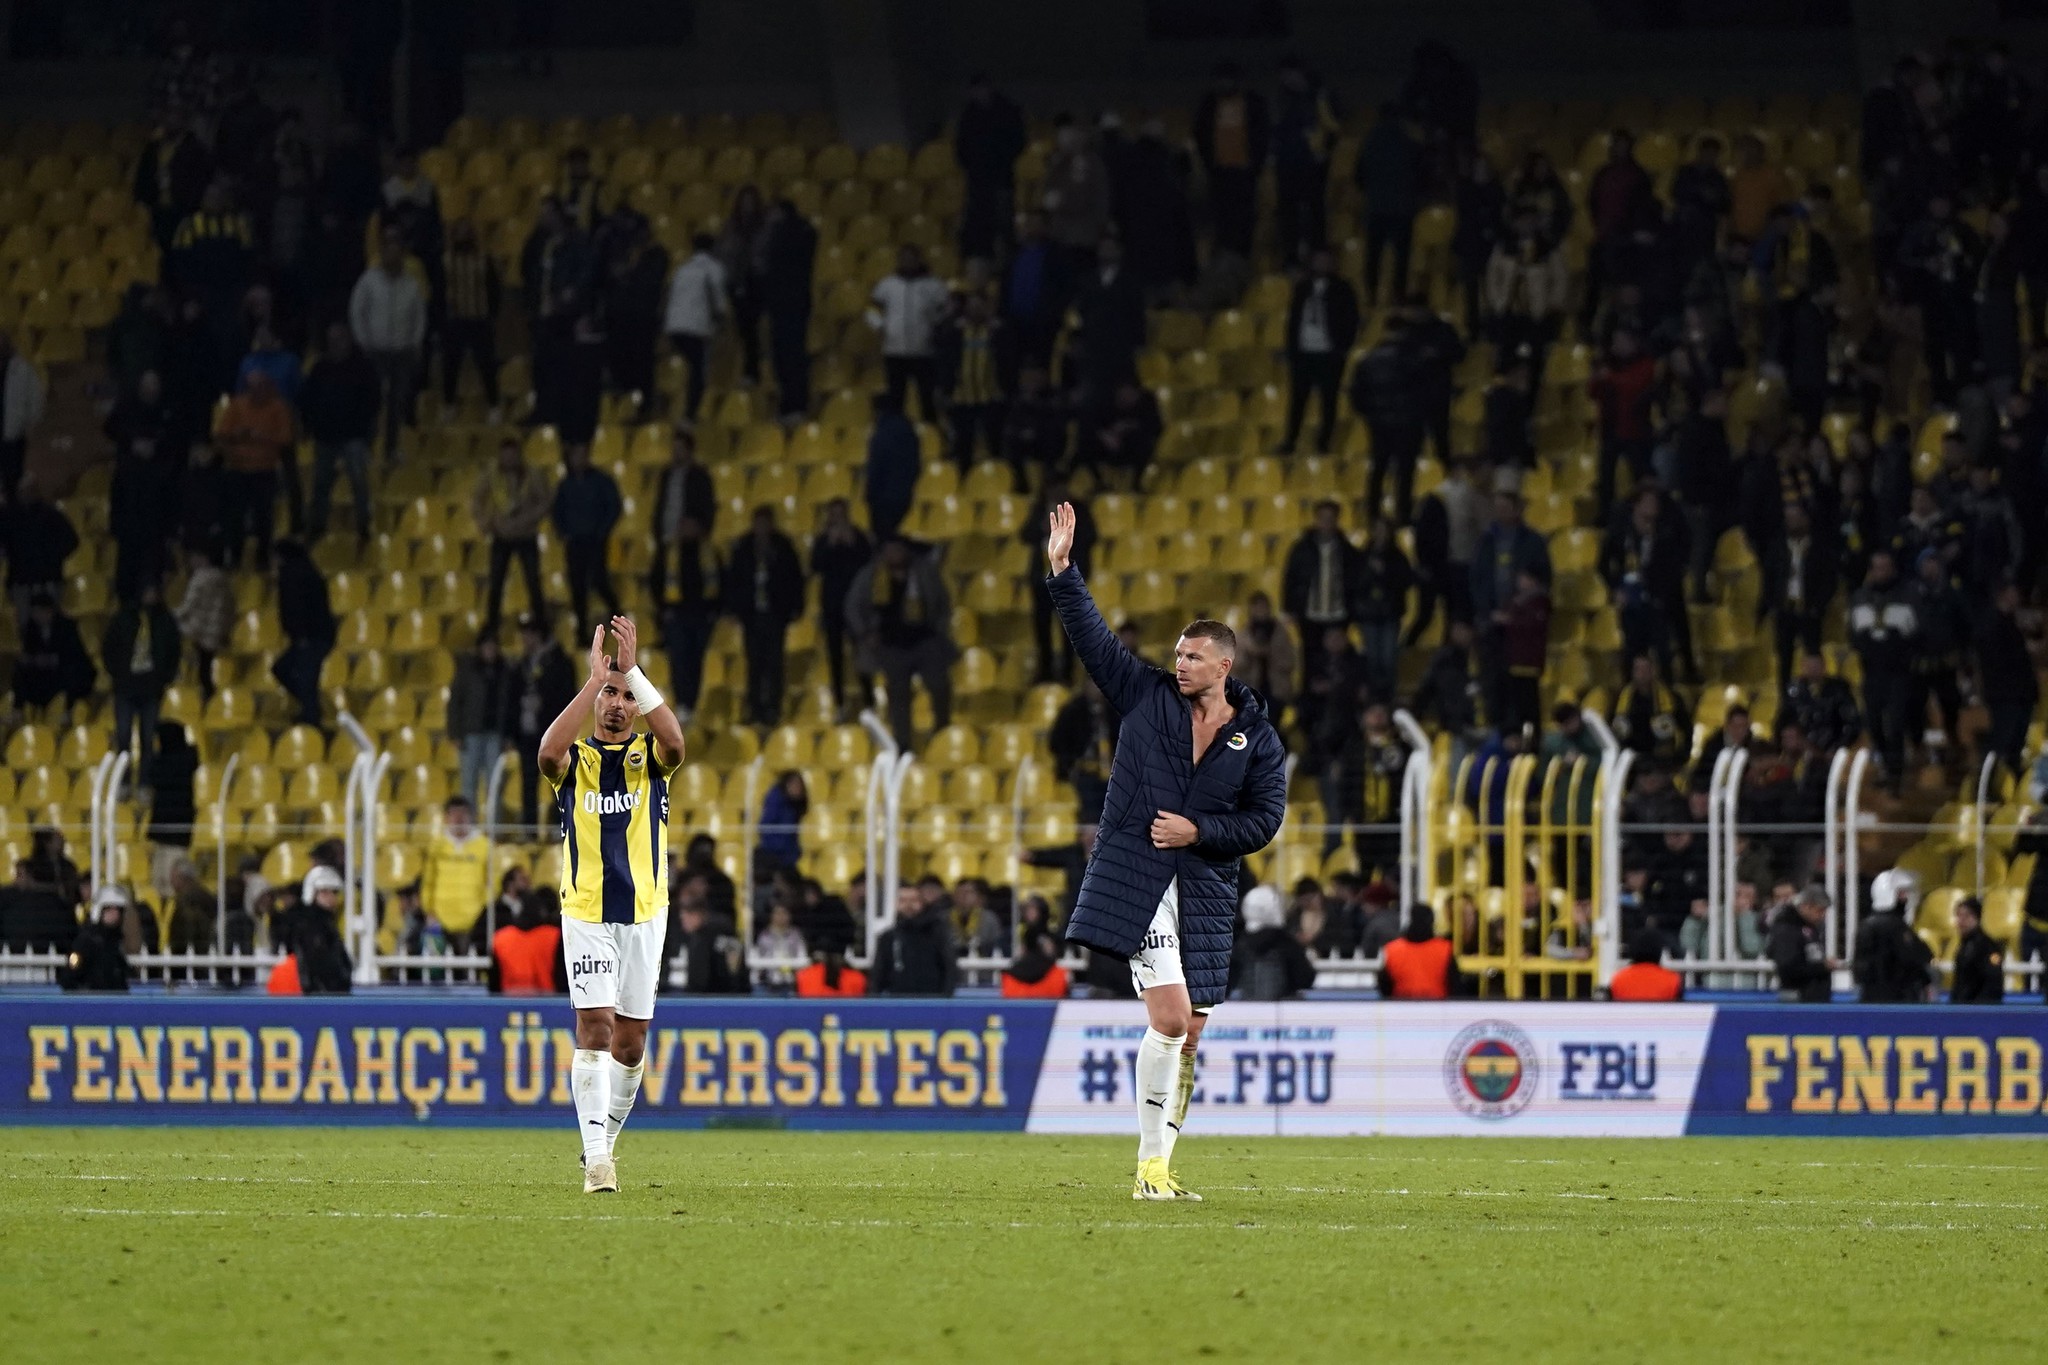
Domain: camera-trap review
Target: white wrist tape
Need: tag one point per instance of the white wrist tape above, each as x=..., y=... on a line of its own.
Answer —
x=644, y=692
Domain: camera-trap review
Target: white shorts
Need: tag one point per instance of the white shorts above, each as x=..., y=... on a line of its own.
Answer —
x=1157, y=961
x=613, y=966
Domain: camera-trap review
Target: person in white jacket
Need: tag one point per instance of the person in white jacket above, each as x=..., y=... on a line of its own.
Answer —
x=697, y=305
x=906, y=309
x=387, y=312
x=21, y=407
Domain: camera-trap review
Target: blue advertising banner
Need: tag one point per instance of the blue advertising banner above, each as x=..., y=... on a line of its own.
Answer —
x=1877, y=1071
x=841, y=1064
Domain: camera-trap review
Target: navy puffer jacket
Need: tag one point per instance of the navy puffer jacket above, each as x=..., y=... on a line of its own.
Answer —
x=1236, y=798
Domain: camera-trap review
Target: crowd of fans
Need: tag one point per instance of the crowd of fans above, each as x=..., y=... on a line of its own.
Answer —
x=280, y=249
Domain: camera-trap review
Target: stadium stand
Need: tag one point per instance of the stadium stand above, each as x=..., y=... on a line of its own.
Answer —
x=1784, y=324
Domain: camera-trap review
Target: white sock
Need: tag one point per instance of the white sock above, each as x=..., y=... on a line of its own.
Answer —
x=1158, y=1074
x=586, y=1082
x=625, y=1086
x=1177, y=1111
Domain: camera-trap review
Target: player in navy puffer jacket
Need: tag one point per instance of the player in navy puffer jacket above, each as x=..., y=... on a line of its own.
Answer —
x=1161, y=888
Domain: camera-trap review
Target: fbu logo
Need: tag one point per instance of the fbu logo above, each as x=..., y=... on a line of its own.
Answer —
x=1609, y=1071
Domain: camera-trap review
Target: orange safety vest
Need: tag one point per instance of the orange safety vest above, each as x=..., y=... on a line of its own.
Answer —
x=284, y=977
x=1419, y=970
x=1051, y=986
x=810, y=982
x=1646, y=981
x=526, y=958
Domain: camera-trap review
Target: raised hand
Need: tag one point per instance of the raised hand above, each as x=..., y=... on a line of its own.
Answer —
x=628, y=643
x=600, y=664
x=1059, y=545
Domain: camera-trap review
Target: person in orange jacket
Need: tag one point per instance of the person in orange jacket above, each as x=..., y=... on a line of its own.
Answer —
x=1419, y=965
x=830, y=976
x=1037, y=973
x=526, y=955
x=1646, y=978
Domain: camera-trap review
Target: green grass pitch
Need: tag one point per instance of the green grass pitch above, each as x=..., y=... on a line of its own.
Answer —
x=391, y=1245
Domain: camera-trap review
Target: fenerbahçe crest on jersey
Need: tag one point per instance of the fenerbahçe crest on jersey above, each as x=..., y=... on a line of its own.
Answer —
x=613, y=804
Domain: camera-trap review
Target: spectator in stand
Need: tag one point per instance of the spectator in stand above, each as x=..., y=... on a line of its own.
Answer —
x=1232, y=130
x=1507, y=418
x=144, y=498
x=172, y=814
x=1381, y=601
x=1035, y=291
x=579, y=193
x=21, y=408
x=1700, y=203
x=1735, y=735
x=470, y=295
x=1649, y=717
x=476, y=716
x=782, y=811
x=1082, y=741
x=742, y=250
x=1322, y=326
x=1481, y=219
x=714, y=956
x=1268, y=962
x=1452, y=692
x=764, y=587
x=778, y=939
x=171, y=175
x=1625, y=388
x=1939, y=257
x=1319, y=584
x=1799, y=586
x=453, y=882
x=684, y=584
x=1822, y=707
x=1525, y=652
x=1622, y=201
x=339, y=405
x=1035, y=432
x=1305, y=128
x=1365, y=773
x=1526, y=288
x=541, y=682
x=206, y=613
x=1434, y=353
x=1119, y=429
x=387, y=312
x=1387, y=393
x=988, y=138
x=837, y=553
x=1076, y=195
x=140, y=651
x=256, y=436
x=1448, y=523
x=308, y=621
x=697, y=306
x=1756, y=188
x=900, y=616
x=916, y=954
x=52, y=661
x=1110, y=311
x=1939, y=653
x=976, y=925
x=212, y=257
x=1265, y=654
x=510, y=501
x=1389, y=176
x=1979, y=959
x=905, y=309
x=1884, y=628
x=587, y=507
x=786, y=293
x=1507, y=548
x=895, y=461
x=972, y=360
x=1643, y=561
x=2006, y=679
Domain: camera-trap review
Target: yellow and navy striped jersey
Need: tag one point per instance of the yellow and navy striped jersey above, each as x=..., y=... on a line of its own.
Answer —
x=613, y=804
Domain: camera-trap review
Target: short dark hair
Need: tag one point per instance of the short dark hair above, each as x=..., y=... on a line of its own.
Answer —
x=1204, y=629
x=458, y=803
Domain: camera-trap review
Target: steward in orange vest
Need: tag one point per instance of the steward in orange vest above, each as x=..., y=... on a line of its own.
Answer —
x=1419, y=965
x=830, y=976
x=1037, y=973
x=525, y=955
x=1646, y=977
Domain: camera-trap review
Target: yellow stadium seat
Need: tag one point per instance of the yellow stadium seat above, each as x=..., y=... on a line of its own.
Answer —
x=953, y=747
x=31, y=746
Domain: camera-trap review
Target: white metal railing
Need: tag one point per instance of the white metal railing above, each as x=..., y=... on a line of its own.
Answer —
x=1418, y=867
x=361, y=801
x=750, y=832
x=1983, y=793
x=494, y=795
x=873, y=815
x=220, y=844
